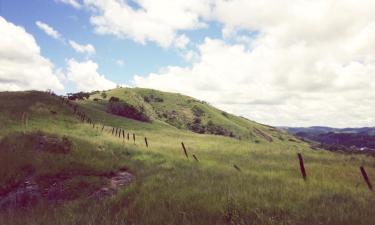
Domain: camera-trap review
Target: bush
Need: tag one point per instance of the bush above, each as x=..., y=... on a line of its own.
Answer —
x=124, y=109
x=225, y=114
x=212, y=128
x=196, y=126
x=104, y=95
x=80, y=96
x=114, y=99
x=152, y=98
x=198, y=112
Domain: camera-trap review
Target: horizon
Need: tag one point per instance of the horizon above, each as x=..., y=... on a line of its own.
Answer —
x=311, y=64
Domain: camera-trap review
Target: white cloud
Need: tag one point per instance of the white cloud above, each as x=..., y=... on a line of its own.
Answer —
x=85, y=49
x=120, y=62
x=73, y=3
x=48, y=30
x=86, y=77
x=282, y=79
x=181, y=41
x=156, y=21
x=21, y=65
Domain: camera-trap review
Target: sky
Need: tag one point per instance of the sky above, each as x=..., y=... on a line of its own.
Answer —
x=282, y=63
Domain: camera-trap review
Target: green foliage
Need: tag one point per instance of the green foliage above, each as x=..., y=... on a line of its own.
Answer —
x=198, y=112
x=103, y=95
x=126, y=110
x=114, y=99
x=217, y=130
x=152, y=98
x=78, y=96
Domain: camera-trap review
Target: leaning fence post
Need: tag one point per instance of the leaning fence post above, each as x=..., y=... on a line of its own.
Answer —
x=134, y=138
x=102, y=128
x=196, y=159
x=127, y=136
x=365, y=177
x=183, y=146
x=113, y=130
x=237, y=168
x=146, y=142
x=302, y=166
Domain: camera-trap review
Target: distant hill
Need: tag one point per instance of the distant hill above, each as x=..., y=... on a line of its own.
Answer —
x=348, y=139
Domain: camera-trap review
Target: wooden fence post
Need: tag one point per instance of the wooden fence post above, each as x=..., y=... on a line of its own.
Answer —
x=134, y=137
x=302, y=166
x=146, y=142
x=102, y=128
x=123, y=134
x=119, y=133
x=113, y=130
x=128, y=136
x=236, y=167
x=365, y=177
x=183, y=146
x=196, y=159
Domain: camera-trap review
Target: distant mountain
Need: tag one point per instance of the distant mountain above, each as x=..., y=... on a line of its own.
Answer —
x=322, y=130
x=347, y=139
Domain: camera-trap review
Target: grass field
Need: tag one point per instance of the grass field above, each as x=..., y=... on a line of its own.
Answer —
x=169, y=188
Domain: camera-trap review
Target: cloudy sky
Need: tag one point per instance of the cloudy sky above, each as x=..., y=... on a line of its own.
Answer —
x=291, y=62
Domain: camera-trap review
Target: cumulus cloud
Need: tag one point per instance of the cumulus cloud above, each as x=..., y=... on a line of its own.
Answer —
x=86, y=77
x=21, y=65
x=73, y=3
x=310, y=63
x=156, y=21
x=48, y=30
x=85, y=49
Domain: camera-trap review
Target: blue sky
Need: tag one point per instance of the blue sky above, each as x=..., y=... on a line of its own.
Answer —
x=74, y=24
x=311, y=63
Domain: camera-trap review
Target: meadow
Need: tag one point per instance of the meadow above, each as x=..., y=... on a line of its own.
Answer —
x=169, y=188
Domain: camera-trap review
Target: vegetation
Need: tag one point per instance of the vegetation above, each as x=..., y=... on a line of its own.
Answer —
x=247, y=181
x=78, y=96
x=348, y=140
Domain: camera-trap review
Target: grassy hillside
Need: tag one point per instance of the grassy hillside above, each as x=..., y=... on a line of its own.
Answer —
x=184, y=112
x=41, y=139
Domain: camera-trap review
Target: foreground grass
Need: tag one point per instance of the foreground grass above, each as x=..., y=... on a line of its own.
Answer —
x=170, y=189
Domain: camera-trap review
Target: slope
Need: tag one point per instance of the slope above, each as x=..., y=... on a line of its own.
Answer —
x=232, y=181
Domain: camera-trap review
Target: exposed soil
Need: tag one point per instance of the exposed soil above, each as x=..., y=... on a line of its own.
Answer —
x=29, y=192
x=116, y=182
x=262, y=134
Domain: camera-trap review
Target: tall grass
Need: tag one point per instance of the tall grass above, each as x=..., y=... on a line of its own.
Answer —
x=171, y=189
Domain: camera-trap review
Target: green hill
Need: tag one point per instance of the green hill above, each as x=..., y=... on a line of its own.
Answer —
x=185, y=112
x=71, y=162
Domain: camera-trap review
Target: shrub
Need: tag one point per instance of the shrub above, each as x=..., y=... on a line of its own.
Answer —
x=198, y=112
x=196, y=126
x=152, y=98
x=104, y=95
x=80, y=96
x=114, y=99
x=225, y=114
x=212, y=128
x=124, y=109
